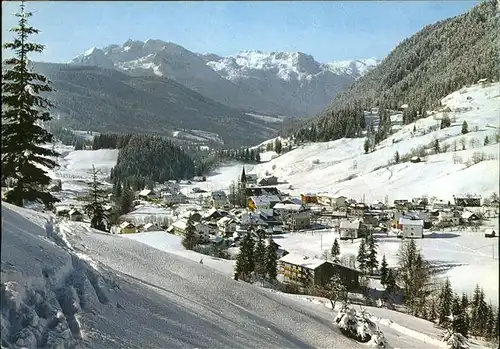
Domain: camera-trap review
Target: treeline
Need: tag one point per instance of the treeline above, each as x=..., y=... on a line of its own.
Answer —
x=67, y=136
x=111, y=140
x=148, y=158
x=439, y=59
x=244, y=155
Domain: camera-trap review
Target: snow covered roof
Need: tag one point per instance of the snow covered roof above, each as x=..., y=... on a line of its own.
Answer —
x=149, y=225
x=467, y=214
x=303, y=261
x=288, y=207
x=414, y=222
x=145, y=192
x=264, y=200
x=126, y=225
x=181, y=224
x=74, y=211
x=225, y=220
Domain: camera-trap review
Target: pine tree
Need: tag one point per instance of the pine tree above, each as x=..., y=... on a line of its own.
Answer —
x=190, y=239
x=99, y=219
x=490, y=323
x=336, y=290
x=366, y=146
x=277, y=146
x=245, y=260
x=432, y=314
x=271, y=260
x=383, y=271
x=465, y=127
x=335, y=251
x=436, y=146
x=371, y=258
x=362, y=256
x=396, y=157
x=446, y=298
x=259, y=256
x=459, y=322
x=486, y=140
x=23, y=113
x=390, y=286
x=127, y=199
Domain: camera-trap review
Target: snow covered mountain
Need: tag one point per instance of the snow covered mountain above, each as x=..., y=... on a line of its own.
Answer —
x=291, y=84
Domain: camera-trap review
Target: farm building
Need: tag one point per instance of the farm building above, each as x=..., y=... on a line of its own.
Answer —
x=146, y=194
x=218, y=199
x=467, y=200
x=128, y=228
x=75, y=215
x=150, y=227
x=349, y=230
x=271, y=180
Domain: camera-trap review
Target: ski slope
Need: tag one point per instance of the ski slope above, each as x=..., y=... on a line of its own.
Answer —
x=137, y=297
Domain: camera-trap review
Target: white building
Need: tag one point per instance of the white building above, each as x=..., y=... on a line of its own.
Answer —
x=218, y=199
x=411, y=228
x=348, y=229
x=226, y=225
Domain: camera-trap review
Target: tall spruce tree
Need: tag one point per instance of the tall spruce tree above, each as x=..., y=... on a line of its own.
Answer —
x=446, y=298
x=383, y=271
x=335, y=251
x=362, y=255
x=190, y=238
x=459, y=322
x=99, y=218
x=24, y=112
x=371, y=258
x=245, y=260
x=271, y=260
x=259, y=256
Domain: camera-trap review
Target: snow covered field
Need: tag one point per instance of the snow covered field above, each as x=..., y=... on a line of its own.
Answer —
x=467, y=257
x=86, y=289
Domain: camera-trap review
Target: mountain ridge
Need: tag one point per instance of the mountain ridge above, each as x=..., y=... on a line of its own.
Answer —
x=278, y=83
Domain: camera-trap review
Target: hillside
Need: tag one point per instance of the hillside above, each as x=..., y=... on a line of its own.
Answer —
x=99, y=99
x=341, y=167
x=434, y=62
x=277, y=83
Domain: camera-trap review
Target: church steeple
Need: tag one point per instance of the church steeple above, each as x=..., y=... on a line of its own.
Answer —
x=243, y=178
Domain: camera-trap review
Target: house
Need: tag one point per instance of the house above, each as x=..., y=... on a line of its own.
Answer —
x=75, y=215
x=309, y=198
x=260, y=202
x=339, y=214
x=150, y=227
x=62, y=211
x=298, y=221
x=332, y=200
x=251, y=178
x=349, y=229
x=449, y=217
x=179, y=228
x=212, y=214
x=270, y=180
x=490, y=233
x=359, y=209
x=421, y=202
x=378, y=205
x=218, y=199
x=128, y=228
x=55, y=185
x=411, y=228
x=174, y=198
x=146, y=194
x=226, y=225
x=283, y=209
x=199, y=179
x=401, y=202
x=467, y=200
x=307, y=271
x=468, y=216
x=262, y=191
x=416, y=159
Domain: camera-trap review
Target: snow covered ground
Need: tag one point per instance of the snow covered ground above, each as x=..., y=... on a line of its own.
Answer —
x=136, y=296
x=466, y=258
x=86, y=289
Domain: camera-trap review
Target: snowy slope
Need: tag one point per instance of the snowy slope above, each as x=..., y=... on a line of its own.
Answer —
x=327, y=167
x=137, y=297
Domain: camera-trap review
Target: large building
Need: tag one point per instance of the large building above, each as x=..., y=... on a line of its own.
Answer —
x=306, y=271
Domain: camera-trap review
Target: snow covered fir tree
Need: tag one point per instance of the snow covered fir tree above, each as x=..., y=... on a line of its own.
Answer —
x=24, y=113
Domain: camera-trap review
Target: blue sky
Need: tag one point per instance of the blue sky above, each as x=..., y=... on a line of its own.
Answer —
x=327, y=30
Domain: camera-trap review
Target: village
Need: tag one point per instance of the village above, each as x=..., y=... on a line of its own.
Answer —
x=221, y=218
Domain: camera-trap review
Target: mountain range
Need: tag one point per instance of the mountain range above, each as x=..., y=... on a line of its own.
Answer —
x=277, y=83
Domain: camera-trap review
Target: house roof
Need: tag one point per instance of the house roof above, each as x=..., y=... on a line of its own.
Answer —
x=181, y=224
x=413, y=222
x=126, y=225
x=288, y=207
x=303, y=261
x=225, y=220
x=145, y=192
x=74, y=211
x=149, y=225
x=264, y=200
x=467, y=196
x=468, y=214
